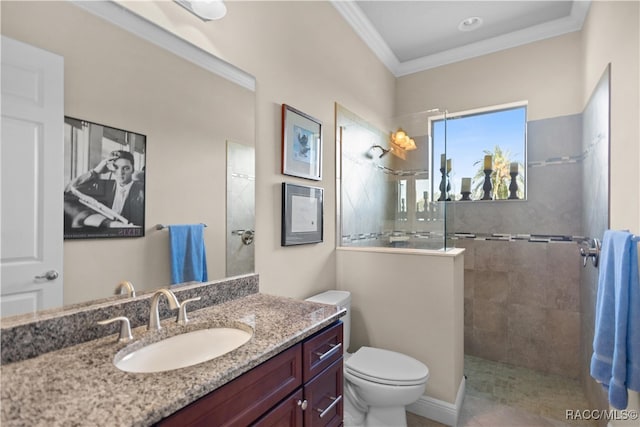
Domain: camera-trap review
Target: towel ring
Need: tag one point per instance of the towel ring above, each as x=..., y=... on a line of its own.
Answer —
x=592, y=251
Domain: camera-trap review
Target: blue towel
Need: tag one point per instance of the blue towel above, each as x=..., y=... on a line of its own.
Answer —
x=188, y=255
x=616, y=345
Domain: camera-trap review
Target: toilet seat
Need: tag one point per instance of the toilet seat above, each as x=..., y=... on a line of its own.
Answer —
x=386, y=367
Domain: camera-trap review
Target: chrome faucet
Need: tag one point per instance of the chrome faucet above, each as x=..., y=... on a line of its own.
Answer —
x=154, y=316
x=126, y=286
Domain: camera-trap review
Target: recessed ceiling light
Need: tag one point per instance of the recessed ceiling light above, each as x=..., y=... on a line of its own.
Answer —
x=470, y=24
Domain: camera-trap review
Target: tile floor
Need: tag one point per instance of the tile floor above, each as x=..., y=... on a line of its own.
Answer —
x=500, y=395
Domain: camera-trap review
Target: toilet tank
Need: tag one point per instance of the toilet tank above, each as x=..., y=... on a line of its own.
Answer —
x=342, y=299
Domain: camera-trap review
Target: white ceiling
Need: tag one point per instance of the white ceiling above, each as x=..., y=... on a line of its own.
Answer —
x=412, y=36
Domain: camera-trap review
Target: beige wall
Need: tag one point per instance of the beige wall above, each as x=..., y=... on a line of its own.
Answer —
x=546, y=73
x=305, y=55
x=410, y=302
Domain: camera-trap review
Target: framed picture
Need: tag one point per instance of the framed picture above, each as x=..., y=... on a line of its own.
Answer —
x=104, y=175
x=301, y=214
x=301, y=144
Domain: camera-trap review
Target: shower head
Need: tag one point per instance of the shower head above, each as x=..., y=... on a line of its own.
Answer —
x=385, y=151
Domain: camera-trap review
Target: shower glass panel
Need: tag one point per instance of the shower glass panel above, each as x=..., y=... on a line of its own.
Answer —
x=241, y=211
x=386, y=196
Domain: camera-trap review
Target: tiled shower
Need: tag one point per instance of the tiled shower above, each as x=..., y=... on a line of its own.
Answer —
x=528, y=299
x=595, y=217
x=522, y=263
x=522, y=303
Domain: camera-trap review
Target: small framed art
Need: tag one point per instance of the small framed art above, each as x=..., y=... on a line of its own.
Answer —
x=302, y=220
x=301, y=144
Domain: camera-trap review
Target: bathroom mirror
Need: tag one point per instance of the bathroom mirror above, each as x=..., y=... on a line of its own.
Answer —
x=188, y=114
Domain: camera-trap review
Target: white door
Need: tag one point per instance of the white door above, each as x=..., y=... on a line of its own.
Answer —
x=31, y=157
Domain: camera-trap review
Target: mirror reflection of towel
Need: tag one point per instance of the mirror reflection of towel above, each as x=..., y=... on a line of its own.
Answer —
x=188, y=255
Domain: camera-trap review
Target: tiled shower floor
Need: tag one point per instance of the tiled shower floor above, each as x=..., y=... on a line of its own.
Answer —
x=501, y=395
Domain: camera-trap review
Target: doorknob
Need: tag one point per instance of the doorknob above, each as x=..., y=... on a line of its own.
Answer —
x=49, y=275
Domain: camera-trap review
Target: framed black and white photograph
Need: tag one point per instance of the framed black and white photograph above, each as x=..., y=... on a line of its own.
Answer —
x=302, y=219
x=301, y=144
x=104, y=173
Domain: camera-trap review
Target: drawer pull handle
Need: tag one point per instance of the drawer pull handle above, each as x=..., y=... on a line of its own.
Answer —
x=334, y=348
x=324, y=412
x=303, y=404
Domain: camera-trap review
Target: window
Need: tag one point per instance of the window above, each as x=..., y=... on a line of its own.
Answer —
x=481, y=144
x=402, y=200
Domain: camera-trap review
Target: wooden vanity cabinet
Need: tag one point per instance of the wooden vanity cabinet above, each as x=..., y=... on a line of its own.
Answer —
x=302, y=386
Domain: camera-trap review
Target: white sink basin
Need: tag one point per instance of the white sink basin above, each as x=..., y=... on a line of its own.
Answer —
x=180, y=351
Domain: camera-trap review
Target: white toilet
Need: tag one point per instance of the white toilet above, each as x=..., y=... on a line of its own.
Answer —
x=378, y=384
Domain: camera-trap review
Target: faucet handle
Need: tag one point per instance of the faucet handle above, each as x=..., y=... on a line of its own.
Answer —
x=182, y=312
x=126, y=286
x=125, y=327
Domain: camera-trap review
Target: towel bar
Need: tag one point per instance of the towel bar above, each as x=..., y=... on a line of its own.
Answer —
x=162, y=226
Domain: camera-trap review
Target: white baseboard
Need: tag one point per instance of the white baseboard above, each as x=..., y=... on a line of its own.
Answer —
x=439, y=410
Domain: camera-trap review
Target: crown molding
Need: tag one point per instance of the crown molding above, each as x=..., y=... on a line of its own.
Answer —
x=147, y=30
x=363, y=27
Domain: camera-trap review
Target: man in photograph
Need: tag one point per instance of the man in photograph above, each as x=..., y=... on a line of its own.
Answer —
x=115, y=202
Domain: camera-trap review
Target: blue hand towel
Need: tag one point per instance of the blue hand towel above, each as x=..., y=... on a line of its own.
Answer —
x=188, y=255
x=616, y=345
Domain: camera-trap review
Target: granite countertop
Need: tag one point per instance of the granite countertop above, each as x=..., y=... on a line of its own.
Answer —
x=79, y=385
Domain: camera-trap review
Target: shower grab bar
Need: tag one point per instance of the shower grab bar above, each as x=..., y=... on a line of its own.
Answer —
x=592, y=251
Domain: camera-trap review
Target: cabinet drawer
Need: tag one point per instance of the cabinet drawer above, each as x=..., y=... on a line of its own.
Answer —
x=286, y=414
x=246, y=398
x=324, y=398
x=321, y=350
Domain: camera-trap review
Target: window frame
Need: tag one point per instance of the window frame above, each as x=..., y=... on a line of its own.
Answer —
x=434, y=169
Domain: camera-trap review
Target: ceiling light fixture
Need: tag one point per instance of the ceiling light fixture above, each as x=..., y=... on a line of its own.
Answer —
x=470, y=24
x=207, y=10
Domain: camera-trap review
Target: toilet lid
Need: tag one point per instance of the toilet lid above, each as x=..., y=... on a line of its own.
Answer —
x=386, y=367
